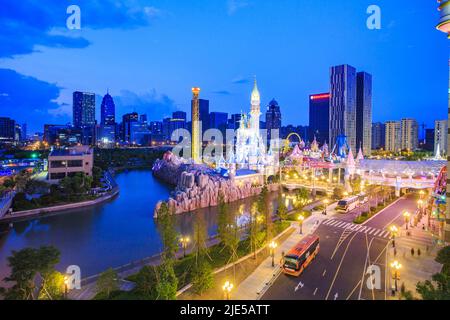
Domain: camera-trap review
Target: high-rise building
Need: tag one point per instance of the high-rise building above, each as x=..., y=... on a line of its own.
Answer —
x=62, y=135
x=393, y=136
x=108, y=111
x=343, y=104
x=7, y=130
x=319, y=117
x=178, y=121
x=24, y=132
x=166, y=128
x=84, y=115
x=219, y=120
x=234, y=121
x=273, y=119
x=156, y=127
x=364, y=111
x=196, y=128
x=203, y=106
x=409, y=134
x=143, y=119
x=441, y=136
x=429, y=140
x=378, y=135
x=127, y=122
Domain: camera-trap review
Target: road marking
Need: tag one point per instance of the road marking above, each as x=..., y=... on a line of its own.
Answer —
x=324, y=273
x=315, y=291
x=339, y=267
x=299, y=286
x=336, y=296
x=373, y=231
x=376, y=233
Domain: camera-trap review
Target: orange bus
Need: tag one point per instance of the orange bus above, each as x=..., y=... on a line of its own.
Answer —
x=300, y=256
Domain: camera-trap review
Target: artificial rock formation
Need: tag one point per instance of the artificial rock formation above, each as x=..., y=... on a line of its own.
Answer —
x=198, y=186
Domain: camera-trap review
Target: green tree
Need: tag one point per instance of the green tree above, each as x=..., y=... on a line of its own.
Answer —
x=222, y=219
x=166, y=221
x=437, y=289
x=166, y=281
x=202, y=276
x=443, y=256
x=338, y=192
x=25, y=266
x=54, y=287
x=22, y=179
x=107, y=283
x=302, y=197
x=145, y=281
x=282, y=209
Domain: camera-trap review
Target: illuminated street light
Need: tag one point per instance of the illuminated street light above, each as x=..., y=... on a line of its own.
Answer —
x=227, y=288
x=407, y=217
x=184, y=243
x=301, y=219
x=66, y=286
x=396, y=266
x=272, y=247
x=394, y=231
x=326, y=202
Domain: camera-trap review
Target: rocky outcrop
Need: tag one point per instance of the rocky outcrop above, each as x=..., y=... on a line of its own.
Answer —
x=198, y=186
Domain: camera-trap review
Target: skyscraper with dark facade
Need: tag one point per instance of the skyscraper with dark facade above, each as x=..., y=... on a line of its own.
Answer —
x=108, y=111
x=319, y=117
x=273, y=119
x=84, y=115
x=378, y=136
x=127, y=123
x=108, y=120
x=204, y=114
x=7, y=130
x=218, y=120
x=343, y=104
x=177, y=122
x=364, y=112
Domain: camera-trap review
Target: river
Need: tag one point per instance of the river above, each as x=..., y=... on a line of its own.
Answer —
x=108, y=235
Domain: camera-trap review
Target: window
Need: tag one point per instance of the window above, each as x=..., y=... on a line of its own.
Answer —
x=75, y=163
x=57, y=176
x=57, y=164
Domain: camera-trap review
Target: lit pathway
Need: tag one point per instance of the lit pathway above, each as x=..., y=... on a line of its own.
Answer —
x=264, y=275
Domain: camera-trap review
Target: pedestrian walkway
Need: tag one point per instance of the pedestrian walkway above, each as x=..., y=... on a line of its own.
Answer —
x=254, y=287
x=375, y=232
x=416, y=253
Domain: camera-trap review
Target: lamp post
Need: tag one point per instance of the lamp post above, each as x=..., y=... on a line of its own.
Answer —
x=66, y=287
x=272, y=247
x=326, y=202
x=227, y=287
x=301, y=219
x=184, y=243
x=393, y=230
x=396, y=266
x=407, y=217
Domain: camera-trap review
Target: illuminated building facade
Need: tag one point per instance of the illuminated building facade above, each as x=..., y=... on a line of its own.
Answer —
x=319, y=117
x=196, y=134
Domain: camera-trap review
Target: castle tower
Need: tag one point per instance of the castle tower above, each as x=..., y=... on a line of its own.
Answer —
x=255, y=108
x=196, y=134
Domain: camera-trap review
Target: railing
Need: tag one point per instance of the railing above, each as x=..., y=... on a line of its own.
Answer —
x=6, y=202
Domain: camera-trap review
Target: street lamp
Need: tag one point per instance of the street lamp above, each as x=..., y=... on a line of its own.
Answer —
x=326, y=202
x=272, y=247
x=407, y=217
x=227, y=287
x=184, y=243
x=66, y=286
x=301, y=219
x=394, y=231
x=396, y=266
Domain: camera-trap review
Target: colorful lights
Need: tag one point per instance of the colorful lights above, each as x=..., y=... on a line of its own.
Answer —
x=322, y=96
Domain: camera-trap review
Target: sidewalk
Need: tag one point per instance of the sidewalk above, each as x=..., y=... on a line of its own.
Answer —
x=415, y=268
x=264, y=275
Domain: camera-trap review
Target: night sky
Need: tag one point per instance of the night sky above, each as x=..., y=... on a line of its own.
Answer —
x=150, y=53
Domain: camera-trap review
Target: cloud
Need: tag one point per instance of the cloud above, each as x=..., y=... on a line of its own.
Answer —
x=235, y=5
x=222, y=92
x=25, y=24
x=241, y=80
x=155, y=105
x=26, y=98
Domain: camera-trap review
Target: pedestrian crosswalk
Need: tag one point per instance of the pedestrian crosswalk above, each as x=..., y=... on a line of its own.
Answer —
x=357, y=228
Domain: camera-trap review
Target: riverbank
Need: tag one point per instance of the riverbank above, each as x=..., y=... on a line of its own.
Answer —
x=59, y=209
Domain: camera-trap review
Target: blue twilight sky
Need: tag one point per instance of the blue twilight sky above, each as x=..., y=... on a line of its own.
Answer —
x=150, y=53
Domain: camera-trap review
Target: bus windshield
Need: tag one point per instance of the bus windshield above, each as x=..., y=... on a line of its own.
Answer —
x=342, y=203
x=290, y=262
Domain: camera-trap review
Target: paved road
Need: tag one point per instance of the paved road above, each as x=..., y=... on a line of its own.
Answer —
x=347, y=250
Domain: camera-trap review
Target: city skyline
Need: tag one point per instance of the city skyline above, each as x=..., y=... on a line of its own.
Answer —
x=392, y=55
